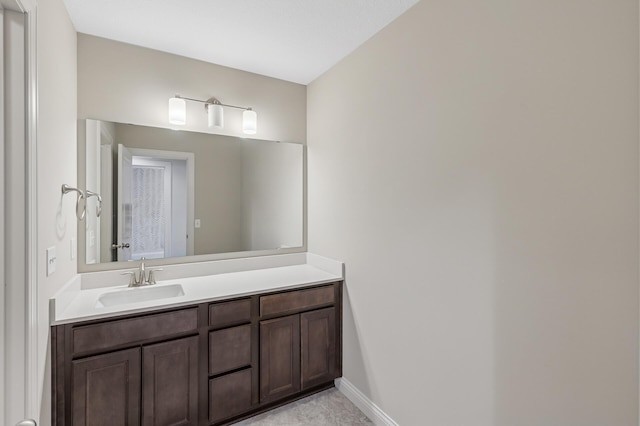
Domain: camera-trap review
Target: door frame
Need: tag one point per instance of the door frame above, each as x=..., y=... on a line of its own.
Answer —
x=25, y=288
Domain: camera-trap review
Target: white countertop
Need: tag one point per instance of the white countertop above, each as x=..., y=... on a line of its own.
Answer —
x=76, y=302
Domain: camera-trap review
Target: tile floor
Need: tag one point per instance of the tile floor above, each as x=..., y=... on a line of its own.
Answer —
x=327, y=408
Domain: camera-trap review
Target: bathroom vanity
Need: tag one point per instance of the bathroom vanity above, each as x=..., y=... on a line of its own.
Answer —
x=209, y=361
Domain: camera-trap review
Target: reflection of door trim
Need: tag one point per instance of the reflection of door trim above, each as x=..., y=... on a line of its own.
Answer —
x=189, y=157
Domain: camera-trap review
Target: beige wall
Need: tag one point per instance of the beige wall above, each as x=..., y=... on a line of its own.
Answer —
x=56, y=160
x=128, y=84
x=475, y=164
x=218, y=181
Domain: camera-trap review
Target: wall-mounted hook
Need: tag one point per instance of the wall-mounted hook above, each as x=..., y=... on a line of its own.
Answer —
x=81, y=196
x=99, y=204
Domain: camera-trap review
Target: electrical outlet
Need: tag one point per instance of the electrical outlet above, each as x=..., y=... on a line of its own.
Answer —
x=197, y=224
x=51, y=260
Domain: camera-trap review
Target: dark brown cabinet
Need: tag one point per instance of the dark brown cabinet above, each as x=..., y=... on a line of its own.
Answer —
x=170, y=383
x=232, y=360
x=106, y=389
x=230, y=395
x=297, y=352
x=213, y=363
x=229, y=349
x=279, y=357
x=318, y=347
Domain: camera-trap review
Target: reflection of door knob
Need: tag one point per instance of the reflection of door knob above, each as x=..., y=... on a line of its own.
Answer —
x=117, y=246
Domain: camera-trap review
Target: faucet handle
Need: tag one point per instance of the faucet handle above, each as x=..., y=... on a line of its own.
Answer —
x=133, y=281
x=151, y=278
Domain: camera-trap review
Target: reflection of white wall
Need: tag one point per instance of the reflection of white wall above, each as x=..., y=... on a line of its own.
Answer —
x=92, y=183
x=97, y=168
x=271, y=195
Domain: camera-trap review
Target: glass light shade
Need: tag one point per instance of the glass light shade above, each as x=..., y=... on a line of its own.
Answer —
x=215, y=114
x=249, y=122
x=177, y=111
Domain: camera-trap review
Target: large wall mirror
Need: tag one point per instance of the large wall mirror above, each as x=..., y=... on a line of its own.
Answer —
x=181, y=196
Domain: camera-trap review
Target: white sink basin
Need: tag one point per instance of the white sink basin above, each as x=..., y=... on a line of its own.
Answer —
x=136, y=295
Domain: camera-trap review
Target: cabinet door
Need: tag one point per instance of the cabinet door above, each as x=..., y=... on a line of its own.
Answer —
x=318, y=346
x=106, y=389
x=170, y=383
x=279, y=357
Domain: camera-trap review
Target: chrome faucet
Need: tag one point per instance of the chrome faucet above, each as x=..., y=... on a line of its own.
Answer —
x=142, y=273
x=143, y=276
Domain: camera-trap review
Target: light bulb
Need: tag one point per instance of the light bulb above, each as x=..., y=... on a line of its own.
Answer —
x=249, y=122
x=177, y=111
x=215, y=115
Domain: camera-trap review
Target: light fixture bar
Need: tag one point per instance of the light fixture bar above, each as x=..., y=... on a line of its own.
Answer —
x=215, y=113
x=212, y=101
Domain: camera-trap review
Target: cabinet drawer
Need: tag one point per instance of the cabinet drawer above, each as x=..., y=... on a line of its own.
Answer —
x=296, y=301
x=229, y=349
x=230, y=313
x=97, y=337
x=229, y=395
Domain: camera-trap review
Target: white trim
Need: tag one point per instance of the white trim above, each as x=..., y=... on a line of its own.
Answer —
x=16, y=301
x=33, y=384
x=23, y=306
x=360, y=400
x=3, y=320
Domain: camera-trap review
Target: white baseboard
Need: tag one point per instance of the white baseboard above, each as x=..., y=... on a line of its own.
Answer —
x=371, y=410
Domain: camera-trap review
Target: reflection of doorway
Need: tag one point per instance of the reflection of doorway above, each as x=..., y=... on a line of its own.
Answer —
x=155, y=203
x=151, y=208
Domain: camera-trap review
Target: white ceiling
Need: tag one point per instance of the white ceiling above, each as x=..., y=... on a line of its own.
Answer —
x=294, y=40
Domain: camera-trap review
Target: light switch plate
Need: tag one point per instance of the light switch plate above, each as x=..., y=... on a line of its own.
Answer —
x=51, y=260
x=197, y=224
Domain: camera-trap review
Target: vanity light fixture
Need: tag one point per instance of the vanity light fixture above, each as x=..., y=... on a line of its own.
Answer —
x=215, y=113
x=249, y=122
x=177, y=111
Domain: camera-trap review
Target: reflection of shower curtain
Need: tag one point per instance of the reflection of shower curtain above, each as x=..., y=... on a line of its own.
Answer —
x=148, y=221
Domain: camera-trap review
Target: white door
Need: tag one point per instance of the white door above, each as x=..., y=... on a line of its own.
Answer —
x=123, y=243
